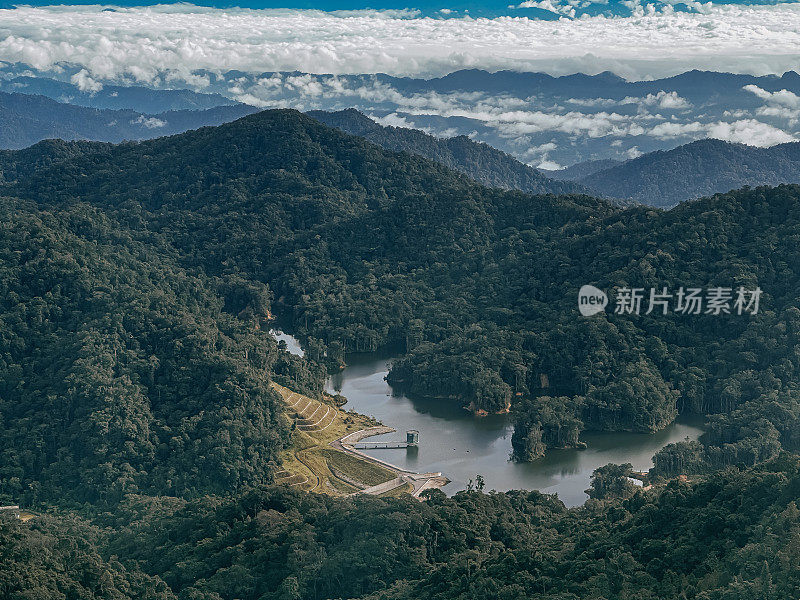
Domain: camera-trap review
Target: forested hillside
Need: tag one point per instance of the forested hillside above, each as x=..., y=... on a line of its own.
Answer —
x=484, y=164
x=139, y=427
x=121, y=371
x=26, y=119
x=733, y=537
x=364, y=248
x=65, y=556
x=665, y=178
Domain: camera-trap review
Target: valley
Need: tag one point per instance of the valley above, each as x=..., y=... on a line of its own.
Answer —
x=173, y=446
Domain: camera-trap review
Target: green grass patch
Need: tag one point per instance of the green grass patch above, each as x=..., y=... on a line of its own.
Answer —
x=361, y=470
x=342, y=487
x=406, y=488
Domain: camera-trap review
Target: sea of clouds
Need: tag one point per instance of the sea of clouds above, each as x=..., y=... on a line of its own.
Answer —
x=239, y=52
x=141, y=43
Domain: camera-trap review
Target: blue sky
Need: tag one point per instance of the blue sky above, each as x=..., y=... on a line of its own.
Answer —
x=488, y=8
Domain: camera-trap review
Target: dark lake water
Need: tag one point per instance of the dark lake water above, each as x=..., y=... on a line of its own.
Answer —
x=461, y=446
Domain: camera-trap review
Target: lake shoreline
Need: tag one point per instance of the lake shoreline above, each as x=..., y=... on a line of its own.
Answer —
x=461, y=445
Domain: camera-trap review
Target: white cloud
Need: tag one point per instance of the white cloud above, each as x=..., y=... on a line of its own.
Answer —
x=665, y=100
x=737, y=113
x=782, y=104
x=549, y=165
x=85, y=83
x=633, y=152
x=173, y=42
x=780, y=112
x=396, y=120
x=447, y=133
x=553, y=6
x=539, y=157
x=662, y=99
x=670, y=100
x=516, y=123
x=567, y=8
x=149, y=122
x=749, y=131
x=673, y=130
x=592, y=102
x=744, y=131
x=393, y=120
x=780, y=98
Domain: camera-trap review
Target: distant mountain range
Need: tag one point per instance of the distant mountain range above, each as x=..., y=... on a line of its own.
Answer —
x=693, y=85
x=481, y=162
x=583, y=169
x=114, y=97
x=26, y=119
x=662, y=178
x=539, y=119
x=702, y=168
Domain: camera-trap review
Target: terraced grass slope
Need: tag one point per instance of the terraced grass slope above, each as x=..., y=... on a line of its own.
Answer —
x=311, y=463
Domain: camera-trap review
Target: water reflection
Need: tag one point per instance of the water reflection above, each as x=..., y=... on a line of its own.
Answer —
x=462, y=446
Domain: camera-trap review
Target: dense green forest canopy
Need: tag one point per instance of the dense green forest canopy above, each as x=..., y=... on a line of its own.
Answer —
x=136, y=416
x=733, y=536
x=122, y=372
x=363, y=247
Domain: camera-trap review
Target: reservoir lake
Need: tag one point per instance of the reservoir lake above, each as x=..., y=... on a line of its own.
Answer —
x=462, y=446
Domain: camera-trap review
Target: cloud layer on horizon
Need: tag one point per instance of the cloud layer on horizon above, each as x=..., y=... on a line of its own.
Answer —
x=186, y=46
x=146, y=43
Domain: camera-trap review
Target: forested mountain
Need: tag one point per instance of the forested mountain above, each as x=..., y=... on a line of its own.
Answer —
x=26, y=119
x=484, y=164
x=364, y=247
x=702, y=168
x=137, y=421
x=122, y=372
x=733, y=536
